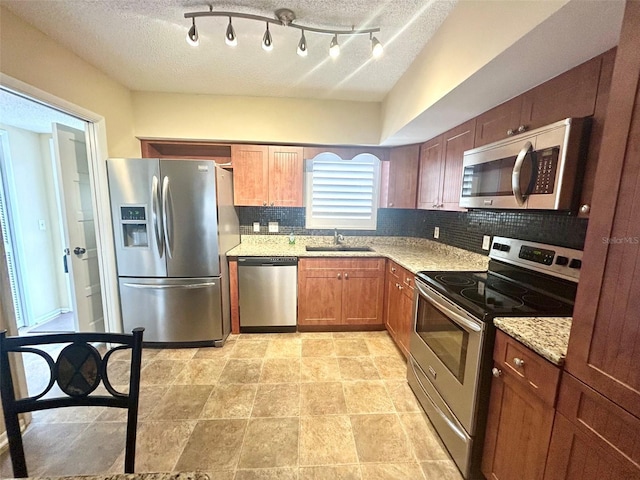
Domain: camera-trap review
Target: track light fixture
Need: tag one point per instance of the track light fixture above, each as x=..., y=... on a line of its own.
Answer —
x=285, y=18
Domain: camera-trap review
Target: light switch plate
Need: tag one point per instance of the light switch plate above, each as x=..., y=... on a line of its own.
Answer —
x=273, y=227
x=42, y=225
x=486, y=242
x=256, y=227
x=436, y=232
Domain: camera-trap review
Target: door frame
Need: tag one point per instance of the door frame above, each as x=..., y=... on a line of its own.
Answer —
x=97, y=147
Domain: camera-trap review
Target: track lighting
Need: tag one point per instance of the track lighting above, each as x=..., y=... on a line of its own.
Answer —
x=192, y=35
x=267, y=41
x=334, y=48
x=230, y=37
x=285, y=18
x=302, y=46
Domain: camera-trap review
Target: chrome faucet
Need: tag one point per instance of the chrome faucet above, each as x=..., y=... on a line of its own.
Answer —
x=338, y=238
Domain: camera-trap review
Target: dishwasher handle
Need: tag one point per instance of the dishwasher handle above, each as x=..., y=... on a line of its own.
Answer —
x=267, y=261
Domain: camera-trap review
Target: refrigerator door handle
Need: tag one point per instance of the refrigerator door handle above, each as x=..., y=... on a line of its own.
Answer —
x=167, y=220
x=155, y=207
x=164, y=287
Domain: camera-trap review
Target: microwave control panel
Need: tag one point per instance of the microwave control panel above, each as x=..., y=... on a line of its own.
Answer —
x=547, y=165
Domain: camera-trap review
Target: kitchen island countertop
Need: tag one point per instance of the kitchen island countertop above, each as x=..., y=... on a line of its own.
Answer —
x=547, y=336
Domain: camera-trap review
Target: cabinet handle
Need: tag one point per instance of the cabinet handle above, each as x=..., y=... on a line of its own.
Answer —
x=339, y=276
x=496, y=372
x=522, y=128
x=393, y=269
x=435, y=205
x=586, y=208
x=346, y=276
x=510, y=132
x=518, y=362
x=397, y=285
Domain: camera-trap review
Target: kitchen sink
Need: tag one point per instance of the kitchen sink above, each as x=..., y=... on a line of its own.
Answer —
x=338, y=248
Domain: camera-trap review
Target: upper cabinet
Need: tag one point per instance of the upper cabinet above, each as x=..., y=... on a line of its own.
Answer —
x=440, y=177
x=402, y=177
x=267, y=175
x=188, y=150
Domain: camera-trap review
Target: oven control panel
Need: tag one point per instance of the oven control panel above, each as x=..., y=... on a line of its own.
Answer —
x=538, y=255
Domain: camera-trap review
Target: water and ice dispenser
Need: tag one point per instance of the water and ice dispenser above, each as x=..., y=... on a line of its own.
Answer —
x=134, y=223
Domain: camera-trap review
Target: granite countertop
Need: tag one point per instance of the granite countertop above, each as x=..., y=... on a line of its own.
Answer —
x=547, y=336
x=414, y=254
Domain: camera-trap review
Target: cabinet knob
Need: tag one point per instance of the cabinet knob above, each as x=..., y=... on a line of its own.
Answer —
x=518, y=362
x=346, y=276
x=408, y=280
x=435, y=205
x=522, y=128
x=264, y=204
x=272, y=204
x=391, y=204
x=393, y=269
x=339, y=276
x=510, y=132
x=496, y=372
x=586, y=208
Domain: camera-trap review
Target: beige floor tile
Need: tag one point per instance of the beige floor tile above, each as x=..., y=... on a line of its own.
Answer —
x=402, y=396
x=150, y=397
x=319, y=369
x=355, y=347
x=284, y=347
x=230, y=401
x=426, y=444
x=68, y=415
x=381, y=438
x=322, y=398
x=215, y=352
x=253, y=337
x=315, y=335
x=382, y=346
x=277, y=400
x=331, y=472
x=159, y=445
x=391, y=367
x=176, y=353
x=118, y=371
x=286, y=473
x=440, y=470
x=125, y=354
x=161, y=372
x=392, y=471
x=252, y=349
x=367, y=397
x=270, y=442
x=200, y=372
x=326, y=440
x=357, y=368
x=181, y=403
x=241, y=370
x=213, y=445
x=280, y=370
x=317, y=347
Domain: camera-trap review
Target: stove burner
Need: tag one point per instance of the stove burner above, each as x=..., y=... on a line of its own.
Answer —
x=452, y=279
x=506, y=287
x=490, y=299
x=541, y=301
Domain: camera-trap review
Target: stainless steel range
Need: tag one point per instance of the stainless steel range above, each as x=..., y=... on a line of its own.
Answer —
x=452, y=339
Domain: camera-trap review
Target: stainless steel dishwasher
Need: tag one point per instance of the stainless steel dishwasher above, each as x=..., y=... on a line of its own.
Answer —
x=268, y=291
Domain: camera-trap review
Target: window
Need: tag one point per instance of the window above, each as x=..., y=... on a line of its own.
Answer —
x=342, y=193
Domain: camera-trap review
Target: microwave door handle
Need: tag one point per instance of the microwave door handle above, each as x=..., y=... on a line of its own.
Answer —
x=515, y=175
x=456, y=317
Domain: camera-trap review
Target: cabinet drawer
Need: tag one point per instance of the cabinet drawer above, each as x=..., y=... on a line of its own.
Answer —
x=394, y=270
x=529, y=368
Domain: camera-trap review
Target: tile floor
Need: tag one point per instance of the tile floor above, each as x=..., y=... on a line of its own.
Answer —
x=305, y=406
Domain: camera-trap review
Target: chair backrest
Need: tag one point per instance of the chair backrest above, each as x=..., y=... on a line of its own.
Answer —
x=78, y=371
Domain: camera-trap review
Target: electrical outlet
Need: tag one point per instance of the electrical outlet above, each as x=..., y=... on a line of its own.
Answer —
x=273, y=227
x=436, y=232
x=256, y=227
x=42, y=225
x=486, y=242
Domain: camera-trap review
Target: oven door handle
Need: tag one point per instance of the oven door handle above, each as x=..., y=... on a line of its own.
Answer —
x=456, y=317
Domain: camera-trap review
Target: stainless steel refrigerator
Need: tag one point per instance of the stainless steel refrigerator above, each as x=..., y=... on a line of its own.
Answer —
x=173, y=221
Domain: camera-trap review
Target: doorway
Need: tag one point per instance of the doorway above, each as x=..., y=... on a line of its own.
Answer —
x=46, y=214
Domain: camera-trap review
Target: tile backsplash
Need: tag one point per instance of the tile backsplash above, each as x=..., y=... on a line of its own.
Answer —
x=459, y=229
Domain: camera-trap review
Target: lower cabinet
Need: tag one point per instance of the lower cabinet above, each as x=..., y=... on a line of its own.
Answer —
x=340, y=291
x=521, y=412
x=399, y=304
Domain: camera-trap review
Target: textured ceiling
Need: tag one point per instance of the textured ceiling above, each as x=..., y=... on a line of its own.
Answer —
x=141, y=44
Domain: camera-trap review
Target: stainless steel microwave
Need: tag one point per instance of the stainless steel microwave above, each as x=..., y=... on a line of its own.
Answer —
x=539, y=169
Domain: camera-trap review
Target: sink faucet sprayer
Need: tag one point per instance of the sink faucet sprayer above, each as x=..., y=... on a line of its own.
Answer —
x=337, y=237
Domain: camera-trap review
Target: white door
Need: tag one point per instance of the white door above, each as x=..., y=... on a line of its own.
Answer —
x=74, y=187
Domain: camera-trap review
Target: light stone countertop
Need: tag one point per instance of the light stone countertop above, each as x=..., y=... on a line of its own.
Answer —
x=547, y=336
x=414, y=254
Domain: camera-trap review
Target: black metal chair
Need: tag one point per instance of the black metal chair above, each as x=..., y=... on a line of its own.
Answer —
x=78, y=371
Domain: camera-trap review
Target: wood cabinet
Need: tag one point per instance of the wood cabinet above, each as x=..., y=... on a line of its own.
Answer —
x=494, y=124
x=440, y=177
x=188, y=150
x=267, y=175
x=399, y=304
x=340, y=292
x=402, y=177
x=521, y=412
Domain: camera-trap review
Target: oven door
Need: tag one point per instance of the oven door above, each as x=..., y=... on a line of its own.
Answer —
x=446, y=343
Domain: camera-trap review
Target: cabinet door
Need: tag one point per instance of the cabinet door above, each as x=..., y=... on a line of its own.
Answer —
x=285, y=176
x=392, y=306
x=518, y=432
x=250, y=174
x=363, y=292
x=455, y=142
x=604, y=346
x=319, y=292
x=429, y=174
x=493, y=125
x=405, y=320
x=403, y=176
